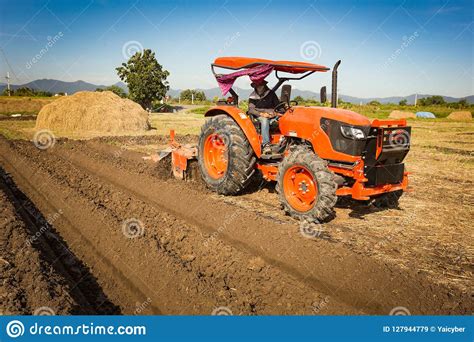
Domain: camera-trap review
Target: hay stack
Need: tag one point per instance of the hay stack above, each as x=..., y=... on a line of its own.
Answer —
x=398, y=114
x=99, y=112
x=463, y=115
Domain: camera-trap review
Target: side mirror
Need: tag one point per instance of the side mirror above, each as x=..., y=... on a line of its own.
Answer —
x=323, y=95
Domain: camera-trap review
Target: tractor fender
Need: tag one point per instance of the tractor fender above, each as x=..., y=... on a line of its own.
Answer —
x=244, y=123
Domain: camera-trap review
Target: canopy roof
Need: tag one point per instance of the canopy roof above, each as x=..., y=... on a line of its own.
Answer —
x=236, y=63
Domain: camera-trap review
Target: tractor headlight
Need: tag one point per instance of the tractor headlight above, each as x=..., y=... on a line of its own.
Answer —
x=352, y=133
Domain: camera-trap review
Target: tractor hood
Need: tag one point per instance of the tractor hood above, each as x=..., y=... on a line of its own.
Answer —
x=314, y=123
x=347, y=116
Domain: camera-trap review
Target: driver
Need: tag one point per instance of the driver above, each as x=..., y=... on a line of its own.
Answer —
x=262, y=101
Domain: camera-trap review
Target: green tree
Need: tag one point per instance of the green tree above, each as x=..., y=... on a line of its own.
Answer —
x=114, y=89
x=25, y=91
x=145, y=78
x=187, y=95
x=432, y=101
x=374, y=103
x=403, y=102
x=299, y=99
x=463, y=103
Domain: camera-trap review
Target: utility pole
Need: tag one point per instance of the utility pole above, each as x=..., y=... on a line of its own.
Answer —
x=8, y=83
x=192, y=97
x=416, y=98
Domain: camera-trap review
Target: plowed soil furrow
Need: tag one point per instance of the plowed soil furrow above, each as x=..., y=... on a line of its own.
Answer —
x=39, y=274
x=172, y=266
x=318, y=263
x=198, y=252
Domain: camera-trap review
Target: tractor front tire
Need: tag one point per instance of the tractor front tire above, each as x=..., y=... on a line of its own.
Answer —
x=226, y=159
x=306, y=187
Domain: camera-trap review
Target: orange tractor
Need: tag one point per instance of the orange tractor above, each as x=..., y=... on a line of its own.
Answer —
x=321, y=152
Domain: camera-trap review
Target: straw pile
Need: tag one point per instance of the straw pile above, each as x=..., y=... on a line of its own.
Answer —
x=463, y=115
x=398, y=114
x=99, y=112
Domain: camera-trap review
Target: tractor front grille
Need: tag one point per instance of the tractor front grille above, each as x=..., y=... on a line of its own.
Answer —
x=384, y=153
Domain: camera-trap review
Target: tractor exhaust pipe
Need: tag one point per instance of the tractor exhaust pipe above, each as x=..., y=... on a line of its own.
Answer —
x=334, y=85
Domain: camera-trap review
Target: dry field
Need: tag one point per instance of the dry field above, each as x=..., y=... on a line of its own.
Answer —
x=122, y=238
x=22, y=105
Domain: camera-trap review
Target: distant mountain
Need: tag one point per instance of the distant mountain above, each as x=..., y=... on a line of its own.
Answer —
x=56, y=86
x=308, y=94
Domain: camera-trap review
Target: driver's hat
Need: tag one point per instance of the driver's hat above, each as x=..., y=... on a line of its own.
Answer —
x=257, y=83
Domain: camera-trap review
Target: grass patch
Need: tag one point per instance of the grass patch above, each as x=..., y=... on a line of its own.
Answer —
x=182, y=123
x=200, y=110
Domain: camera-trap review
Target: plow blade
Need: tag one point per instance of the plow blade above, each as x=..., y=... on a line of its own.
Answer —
x=164, y=153
x=180, y=157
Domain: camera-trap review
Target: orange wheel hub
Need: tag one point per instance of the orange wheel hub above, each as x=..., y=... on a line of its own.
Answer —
x=215, y=156
x=300, y=188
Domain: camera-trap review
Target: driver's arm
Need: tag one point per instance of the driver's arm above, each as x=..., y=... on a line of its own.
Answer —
x=253, y=109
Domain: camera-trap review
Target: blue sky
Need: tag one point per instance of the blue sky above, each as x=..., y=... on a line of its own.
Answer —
x=386, y=47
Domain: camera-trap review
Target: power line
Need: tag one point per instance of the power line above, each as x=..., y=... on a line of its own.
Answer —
x=9, y=66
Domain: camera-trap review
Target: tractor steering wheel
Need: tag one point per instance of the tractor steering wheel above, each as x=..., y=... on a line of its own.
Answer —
x=281, y=108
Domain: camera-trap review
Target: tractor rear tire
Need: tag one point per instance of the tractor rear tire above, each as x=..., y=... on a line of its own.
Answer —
x=306, y=187
x=237, y=154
